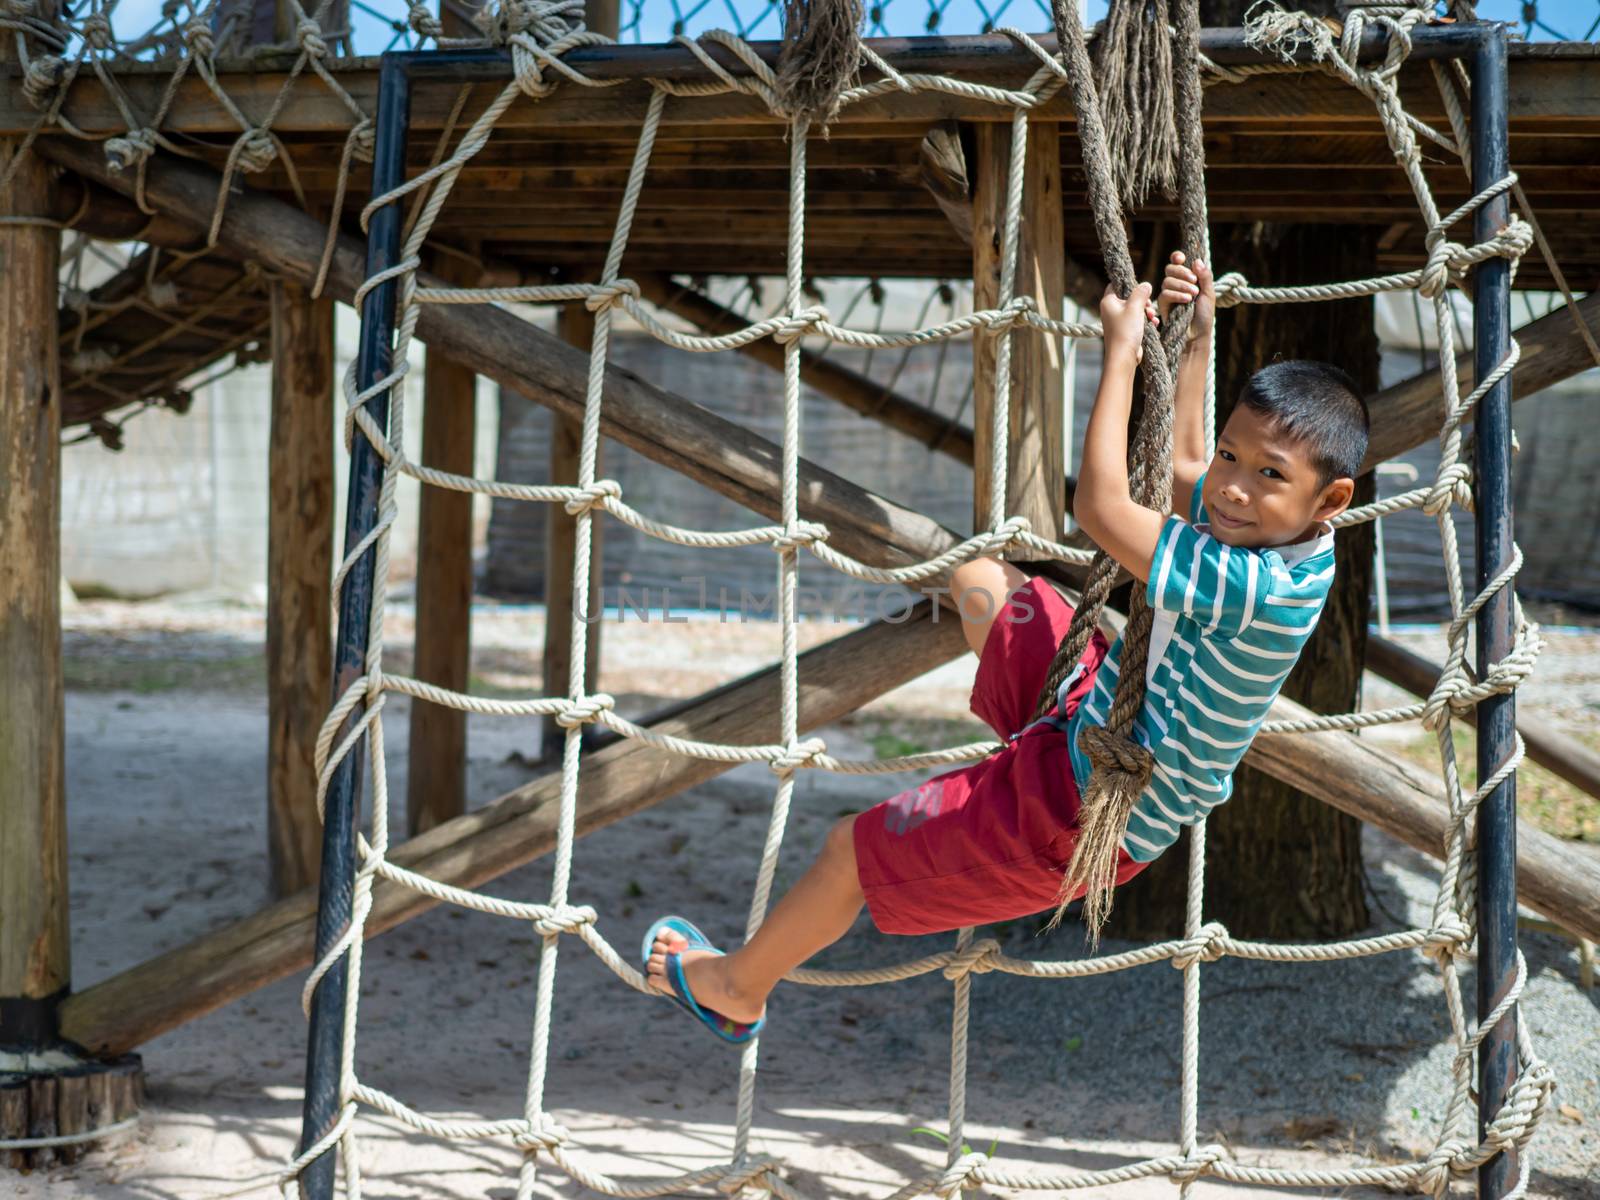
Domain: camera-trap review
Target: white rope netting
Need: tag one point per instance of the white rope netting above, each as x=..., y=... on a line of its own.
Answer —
x=539, y=70
x=539, y=33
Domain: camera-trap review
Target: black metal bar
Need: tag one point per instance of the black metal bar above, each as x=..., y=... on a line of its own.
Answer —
x=325, y=1046
x=1497, y=815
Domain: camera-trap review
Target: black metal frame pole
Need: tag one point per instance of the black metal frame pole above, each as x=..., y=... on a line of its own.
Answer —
x=1497, y=815
x=325, y=1046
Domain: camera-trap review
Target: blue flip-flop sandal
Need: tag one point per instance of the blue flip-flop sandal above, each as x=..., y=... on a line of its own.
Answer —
x=725, y=1028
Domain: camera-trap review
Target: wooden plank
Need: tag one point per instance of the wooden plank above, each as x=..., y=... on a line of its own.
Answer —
x=35, y=955
x=1562, y=754
x=1035, y=470
x=1410, y=412
x=436, y=779
x=1556, y=878
x=1561, y=93
x=575, y=325
x=850, y=388
x=623, y=778
x=300, y=487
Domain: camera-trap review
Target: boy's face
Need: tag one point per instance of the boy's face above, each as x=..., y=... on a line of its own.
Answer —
x=1262, y=488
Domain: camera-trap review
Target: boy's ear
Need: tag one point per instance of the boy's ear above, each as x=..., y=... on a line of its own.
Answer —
x=1335, y=498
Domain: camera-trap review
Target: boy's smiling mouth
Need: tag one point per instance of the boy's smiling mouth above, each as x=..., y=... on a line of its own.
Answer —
x=1227, y=522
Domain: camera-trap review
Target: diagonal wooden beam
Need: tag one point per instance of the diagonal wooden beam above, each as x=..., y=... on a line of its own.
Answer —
x=620, y=779
x=850, y=388
x=1410, y=412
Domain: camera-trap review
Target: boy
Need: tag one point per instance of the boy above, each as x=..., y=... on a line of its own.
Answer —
x=1236, y=575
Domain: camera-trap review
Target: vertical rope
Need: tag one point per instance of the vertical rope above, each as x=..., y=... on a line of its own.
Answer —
x=583, y=543
x=788, y=551
x=1189, y=1113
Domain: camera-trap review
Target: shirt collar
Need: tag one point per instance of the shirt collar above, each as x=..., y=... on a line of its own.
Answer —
x=1297, y=553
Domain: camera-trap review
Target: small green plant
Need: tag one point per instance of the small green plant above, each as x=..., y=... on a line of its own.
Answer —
x=1075, y=1042
x=892, y=745
x=945, y=1138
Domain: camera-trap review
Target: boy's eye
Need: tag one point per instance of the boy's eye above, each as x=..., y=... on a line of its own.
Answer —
x=1271, y=472
x=1225, y=455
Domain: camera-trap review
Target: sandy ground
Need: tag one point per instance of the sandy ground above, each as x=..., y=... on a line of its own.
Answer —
x=1301, y=1065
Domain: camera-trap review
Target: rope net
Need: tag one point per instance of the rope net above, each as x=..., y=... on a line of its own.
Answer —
x=537, y=50
x=539, y=33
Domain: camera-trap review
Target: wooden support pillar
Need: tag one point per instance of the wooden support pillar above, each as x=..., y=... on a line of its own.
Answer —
x=576, y=327
x=35, y=957
x=436, y=780
x=1036, y=475
x=299, y=578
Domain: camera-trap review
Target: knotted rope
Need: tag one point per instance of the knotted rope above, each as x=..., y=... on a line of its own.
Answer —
x=1121, y=766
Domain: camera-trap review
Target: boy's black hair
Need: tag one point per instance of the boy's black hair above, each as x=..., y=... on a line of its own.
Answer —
x=1317, y=405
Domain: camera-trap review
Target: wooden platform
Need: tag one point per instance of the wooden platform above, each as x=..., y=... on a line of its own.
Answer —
x=540, y=200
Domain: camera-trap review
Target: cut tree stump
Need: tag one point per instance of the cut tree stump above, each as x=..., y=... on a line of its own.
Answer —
x=64, y=1102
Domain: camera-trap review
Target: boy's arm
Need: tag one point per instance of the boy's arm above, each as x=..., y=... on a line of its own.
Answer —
x=1102, y=505
x=1183, y=284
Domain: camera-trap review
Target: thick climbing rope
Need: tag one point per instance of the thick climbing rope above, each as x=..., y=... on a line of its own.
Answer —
x=1121, y=765
x=538, y=34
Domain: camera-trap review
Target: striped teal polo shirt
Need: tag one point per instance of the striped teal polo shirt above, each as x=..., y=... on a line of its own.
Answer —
x=1229, y=625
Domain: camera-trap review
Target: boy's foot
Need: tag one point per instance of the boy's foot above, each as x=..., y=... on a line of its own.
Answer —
x=707, y=975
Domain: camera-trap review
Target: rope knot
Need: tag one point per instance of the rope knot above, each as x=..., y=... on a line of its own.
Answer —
x=961, y=1175
x=131, y=149
x=542, y=1134
x=1006, y=534
x=256, y=151
x=977, y=959
x=801, y=533
x=610, y=295
x=796, y=756
x=1443, y=257
x=1449, y=934
x=363, y=140
x=585, y=710
x=1205, y=946
x=748, y=1173
x=1452, y=485
x=74, y=298
x=567, y=919
x=1015, y=312
x=309, y=36
x=1199, y=1162
x=423, y=19
x=1109, y=751
x=1451, y=695
x=1446, y=1159
x=96, y=30
x=42, y=79
x=1229, y=288
x=199, y=37
x=797, y=324
x=593, y=496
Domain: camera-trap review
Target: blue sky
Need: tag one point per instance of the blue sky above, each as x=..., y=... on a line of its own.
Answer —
x=653, y=20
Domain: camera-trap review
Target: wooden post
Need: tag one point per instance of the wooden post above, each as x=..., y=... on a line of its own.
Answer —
x=299, y=578
x=436, y=780
x=35, y=958
x=575, y=324
x=1036, y=475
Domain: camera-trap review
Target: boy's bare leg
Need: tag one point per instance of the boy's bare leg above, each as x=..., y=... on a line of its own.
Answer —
x=980, y=588
x=817, y=912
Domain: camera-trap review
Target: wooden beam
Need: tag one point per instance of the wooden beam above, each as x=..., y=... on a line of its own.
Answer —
x=850, y=388
x=1564, y=755
x=1410, y=412
x=35, y=945
x=1035, y=472
x=575, y=325
x=618, y=780
x=436, y=778
x=1353, y=774
x=299, y=578
x=1560, y=92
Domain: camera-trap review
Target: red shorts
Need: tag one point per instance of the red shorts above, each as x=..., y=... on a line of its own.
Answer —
x=988, y=842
